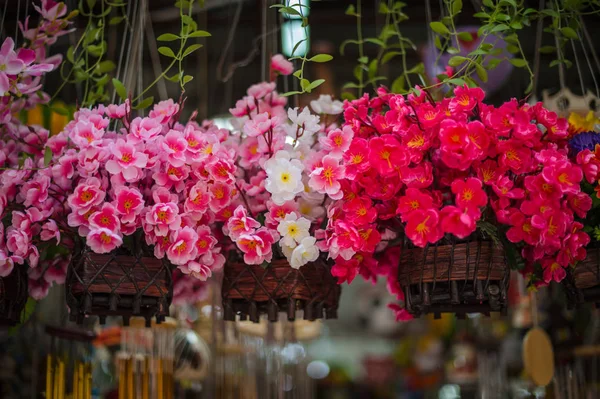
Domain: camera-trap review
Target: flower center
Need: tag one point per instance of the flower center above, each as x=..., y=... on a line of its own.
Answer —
x=105, y=220
x=127, y=205
x=358, y=158
x=126, y=158
x=181, y=247
x=430, y=115
x=105, y=238
x=338, y=140
x=280, y=213
x=416, y=141
x=512, y=155
x=564, y=178
x=202, y=244
x=285, y=177
x=162, y=216
x=292, y=230
x=414, y=205
x=467, y=195
x=86, y=196
x=361, y=211
x=463, y=100
x=422, y=227
x=219, y=193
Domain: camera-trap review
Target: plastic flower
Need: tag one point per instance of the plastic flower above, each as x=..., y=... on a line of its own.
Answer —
x=164, y=111
x=356, y=158
x=360, y=211
x=105, y=218
x=87, y=194
x=578, y=123
x=423, y=227
x=293, y=230
x=326, y=178
x=241, y=223
x=128, y=203
x=103, y=240
x=305, y=252
x=284, y=177
x=183, y=246
x=256, y=246
x=260, y=124
x=337, y=141
x=281, y=65
x=305, y=121
x=386, y=154
x=127, y=161
x=163, y=217
x=458, y=222
x=326, y=105
x=345, y=270
x=553, y=271
x=465, y=99
x=414, y=200
x=197, y=270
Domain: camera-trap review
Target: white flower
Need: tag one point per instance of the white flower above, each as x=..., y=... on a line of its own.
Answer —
x=293, y=230
x=309, y=124
x=306, y=252
x=287, y=251
x=326, y=105
x=310, y=210
x=284, y=177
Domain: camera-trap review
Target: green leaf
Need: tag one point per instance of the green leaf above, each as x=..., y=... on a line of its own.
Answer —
x=465, y=36
x=363, y=60
x=314, y=84
x=115, y=20
x=298, y=73
x=187, y=20
x=174, y=78
x=297, y=45
x=481, y=73
x=71, y=54
x=345, y=43
x=351, y=10
x=191, y=49
x=502, y=17
x=167, y=37
x=290, y=93
x=456, y=81
x=511, y=48
x=350, y=85
x=440, y=28
x=493, y=63
x=375, y=41
x=529, y=87
x=547, y=49
x=452, y=50
x=481, y=15
x=500, y=28
x=47, y=156
x=289, y=11
x=398, y=85
x=456, y=7
x=187, y=79
x=348, y=96
x=383, y=8
x=304, y=84
x=416, y=91
x=321, y=58
x=105, y=67
x=437, y=42
x=456, y=60
x=518, y=62
x=488, y=3
x=144, y=103
x=91, y=3
x=120, y=89
x=166, y=51
x=61, y=111
x=182, y=4
x=389, y=55
x=516, y=25
x=569, y=32
x=199, y=33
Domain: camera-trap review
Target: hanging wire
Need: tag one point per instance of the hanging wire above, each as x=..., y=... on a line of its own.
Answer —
x=587, y=58
x=154, y=55
x=430, y=36
x=17, y=20
x=561, y=68
x=263, y=52
x=3, y=16
x=127, y=29
x=538, y=44
x=230, y=37
x=578, y=68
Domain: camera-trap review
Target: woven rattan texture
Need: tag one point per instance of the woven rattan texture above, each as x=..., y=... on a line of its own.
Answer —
x=117, y=284
x=582, y=283
x=251, y=290
x=469, y=276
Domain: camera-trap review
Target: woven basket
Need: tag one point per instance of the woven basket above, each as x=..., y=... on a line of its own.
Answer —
x=582, y=283
x=251, y=290
x=118, y=284
x=13, y=296
x=470, y=276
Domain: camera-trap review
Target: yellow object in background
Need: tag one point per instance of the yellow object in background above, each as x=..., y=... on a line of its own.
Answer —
x=44, y=115
x=580, y=124
x=442, y=327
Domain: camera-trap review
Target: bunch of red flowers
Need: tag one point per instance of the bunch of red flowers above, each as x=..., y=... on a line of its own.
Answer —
x=428, y=170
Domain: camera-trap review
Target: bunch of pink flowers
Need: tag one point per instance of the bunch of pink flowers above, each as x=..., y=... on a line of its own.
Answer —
x=427, y=170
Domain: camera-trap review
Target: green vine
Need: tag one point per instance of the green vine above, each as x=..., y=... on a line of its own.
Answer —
x=306, y=86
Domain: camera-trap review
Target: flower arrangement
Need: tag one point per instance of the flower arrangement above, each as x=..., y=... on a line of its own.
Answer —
x=430, y=171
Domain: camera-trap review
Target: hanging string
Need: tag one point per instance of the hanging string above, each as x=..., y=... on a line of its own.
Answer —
x=140, y=76
x=263, y=52
x=126, y=30
x=3, y=16
x=538, y=45
x=578, y=68
x=561, y=69
x=587, y=58
x=154, y=55
x=430, y=36
x=230, y=37
x=17, y=20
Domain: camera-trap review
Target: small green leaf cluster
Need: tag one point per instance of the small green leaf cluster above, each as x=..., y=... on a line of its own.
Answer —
x=391, y=43
x=306, y=86
x=188, y=30
x=86, y=61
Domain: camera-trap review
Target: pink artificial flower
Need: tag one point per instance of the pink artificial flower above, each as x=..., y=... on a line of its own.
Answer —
x=118, y=111
x=337, y=141
x=196, y=202
x=243, y=107
x=360, y=211
x=580, y=203
x=458, y=222
x=417, y=142
x=102, y=241
x=49, y=231
x=514, y=156
x=276, y=213
x=87, y=194
x=400, y=313
x=105, y=218
x=206, y=241
x=127, y=161
x=57, y=270
x=429, y=116
x=257, y=246
x=356, y=158
x=461, y=143
x=18, y=241
x=37, y=286
x=552, y=227
x=488, y=171
x=261, y=90
x=220, y=196
x=503, y=187
x=281, y=65
x=145, y=129
x=345, y=270
x=369, y=239
x=421, y=176
x=553, y=271
x=35, y=191
x=10, y=65
x=326, y=178
x=414, y=200
x=423, y=227
x=172, y=176
x=522, y=229
x=387, y=155
x=183, y=247
x=128, y=203
x=163, y=217
x=565, y=175
x=196, y=270
x=240, y=223
x=86, y=134
x=164, y=111
x=259, y=124
x=465, y=99
x=7, y=264
x=221, y=170
x=174, y=146
x=469, y=194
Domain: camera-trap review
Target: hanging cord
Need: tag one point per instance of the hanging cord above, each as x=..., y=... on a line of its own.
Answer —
x=154, y=55
x=561, y=68
x=126, y=30
x=578, y=68
x=3, y=16
x=430, y=36
x=538, y=45
x=263, y=52
x=17, y=20
x=230, y=37
x=140, y=74
x=587, y=58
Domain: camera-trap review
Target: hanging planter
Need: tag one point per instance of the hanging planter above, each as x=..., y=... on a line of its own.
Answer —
x=467, y=276
x=119, y=284
x=13, y=296
x=252, y=290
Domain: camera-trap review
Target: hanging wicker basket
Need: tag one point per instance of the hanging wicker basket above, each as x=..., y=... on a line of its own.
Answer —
x=118, y=284
x=251, y=290
x=13, y=296
x=470, y=276
x=582, y=283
